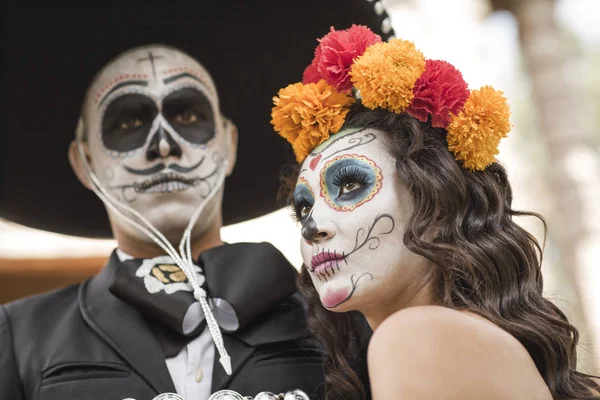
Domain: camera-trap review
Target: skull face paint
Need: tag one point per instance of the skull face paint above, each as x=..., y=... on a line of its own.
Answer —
x=353, y=230
x=155, y=135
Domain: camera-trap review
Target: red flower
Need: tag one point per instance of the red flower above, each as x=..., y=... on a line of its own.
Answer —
x=311, y=73
x=439, y=91
x=336, y=53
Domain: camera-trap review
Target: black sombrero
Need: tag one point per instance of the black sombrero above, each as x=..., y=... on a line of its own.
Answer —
x=50, y=53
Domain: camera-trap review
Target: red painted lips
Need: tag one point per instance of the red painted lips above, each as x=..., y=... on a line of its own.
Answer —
x=325, y=258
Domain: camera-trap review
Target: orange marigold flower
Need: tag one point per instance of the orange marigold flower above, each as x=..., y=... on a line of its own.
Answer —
x=386, y=74
x=307, y=114
x=475, y=133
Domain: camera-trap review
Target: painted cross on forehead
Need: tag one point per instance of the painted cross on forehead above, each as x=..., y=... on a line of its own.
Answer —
x=151, y=59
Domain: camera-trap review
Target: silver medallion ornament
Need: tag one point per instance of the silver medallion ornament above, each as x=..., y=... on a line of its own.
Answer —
x=226, y=395
x=231, y=395
x=296, y=395
x=164, y=396
x=168, y=396
x=266, y=396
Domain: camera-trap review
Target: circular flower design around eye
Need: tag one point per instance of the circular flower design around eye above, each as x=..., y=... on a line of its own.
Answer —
x=363, y=175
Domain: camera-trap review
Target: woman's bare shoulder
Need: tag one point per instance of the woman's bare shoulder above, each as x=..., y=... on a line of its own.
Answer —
x=424, y=351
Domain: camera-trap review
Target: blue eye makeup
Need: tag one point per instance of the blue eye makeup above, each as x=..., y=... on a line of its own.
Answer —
x=349, y=181
x=303, y=200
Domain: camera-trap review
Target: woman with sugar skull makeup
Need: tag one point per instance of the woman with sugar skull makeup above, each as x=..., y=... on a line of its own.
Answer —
x=175, y=309
x=406, y=218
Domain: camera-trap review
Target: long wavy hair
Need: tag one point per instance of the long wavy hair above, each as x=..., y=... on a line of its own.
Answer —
x=486, y=263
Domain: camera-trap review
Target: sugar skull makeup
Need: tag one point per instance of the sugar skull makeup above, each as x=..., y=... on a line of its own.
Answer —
x=353, y=210
x=155, y=134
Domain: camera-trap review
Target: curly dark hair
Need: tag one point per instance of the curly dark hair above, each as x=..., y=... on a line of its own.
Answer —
x=486, y=263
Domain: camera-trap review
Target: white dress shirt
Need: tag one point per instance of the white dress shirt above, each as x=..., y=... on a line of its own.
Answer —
x=191, y=370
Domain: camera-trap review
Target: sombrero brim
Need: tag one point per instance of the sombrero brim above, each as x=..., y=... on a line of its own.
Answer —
x=50, y=53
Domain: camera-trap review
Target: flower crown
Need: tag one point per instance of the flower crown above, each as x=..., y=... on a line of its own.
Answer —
x=395, y=76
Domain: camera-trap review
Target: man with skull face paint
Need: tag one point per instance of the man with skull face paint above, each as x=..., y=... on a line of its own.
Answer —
x=174, y=309
x=157, y=139
x=162, y=147
x=153, y=145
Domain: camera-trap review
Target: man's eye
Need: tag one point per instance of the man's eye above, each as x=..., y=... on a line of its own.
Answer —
x=131, y=123
x=349, y=186
x=186, y=118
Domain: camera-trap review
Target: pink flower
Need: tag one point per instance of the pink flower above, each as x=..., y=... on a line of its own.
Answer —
x=336, y=53
x=439, y=91
x=311, y=73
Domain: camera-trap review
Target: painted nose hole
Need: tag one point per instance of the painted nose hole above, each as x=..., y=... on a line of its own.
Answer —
x=321, y=235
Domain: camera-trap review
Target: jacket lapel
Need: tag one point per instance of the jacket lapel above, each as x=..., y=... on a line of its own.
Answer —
x=239, y=353
x=259, y=283
x=123, y=328
x=285, y=322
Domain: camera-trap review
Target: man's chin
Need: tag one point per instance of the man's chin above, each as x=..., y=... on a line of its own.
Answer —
x=170, y=218
x=171, y=203
x=170, y=214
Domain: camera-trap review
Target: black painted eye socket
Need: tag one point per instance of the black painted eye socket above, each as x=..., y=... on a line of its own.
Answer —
x=189, y=112
x=303, y=202
x=130, y=123
x=301, y=208
x=127, y=122
x=187, y=117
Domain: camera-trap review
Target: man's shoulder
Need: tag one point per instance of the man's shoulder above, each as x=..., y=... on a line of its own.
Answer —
x=44, y=307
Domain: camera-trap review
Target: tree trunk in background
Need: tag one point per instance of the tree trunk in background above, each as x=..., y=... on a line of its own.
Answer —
x=546, y=54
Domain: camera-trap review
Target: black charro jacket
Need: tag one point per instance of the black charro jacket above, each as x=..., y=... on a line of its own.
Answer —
x=82, y=342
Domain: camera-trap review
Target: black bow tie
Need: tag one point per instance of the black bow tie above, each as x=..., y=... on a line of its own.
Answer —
x=242, y=281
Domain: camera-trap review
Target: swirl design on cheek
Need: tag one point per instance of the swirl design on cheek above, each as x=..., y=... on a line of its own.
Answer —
x=331, y=301
x=349, y=181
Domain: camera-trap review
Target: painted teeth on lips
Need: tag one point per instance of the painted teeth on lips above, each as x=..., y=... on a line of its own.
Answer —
x=325, y=257
x=165, y=182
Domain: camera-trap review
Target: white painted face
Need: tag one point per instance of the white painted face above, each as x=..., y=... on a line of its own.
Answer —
x=155, y=135
x=354, y=210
